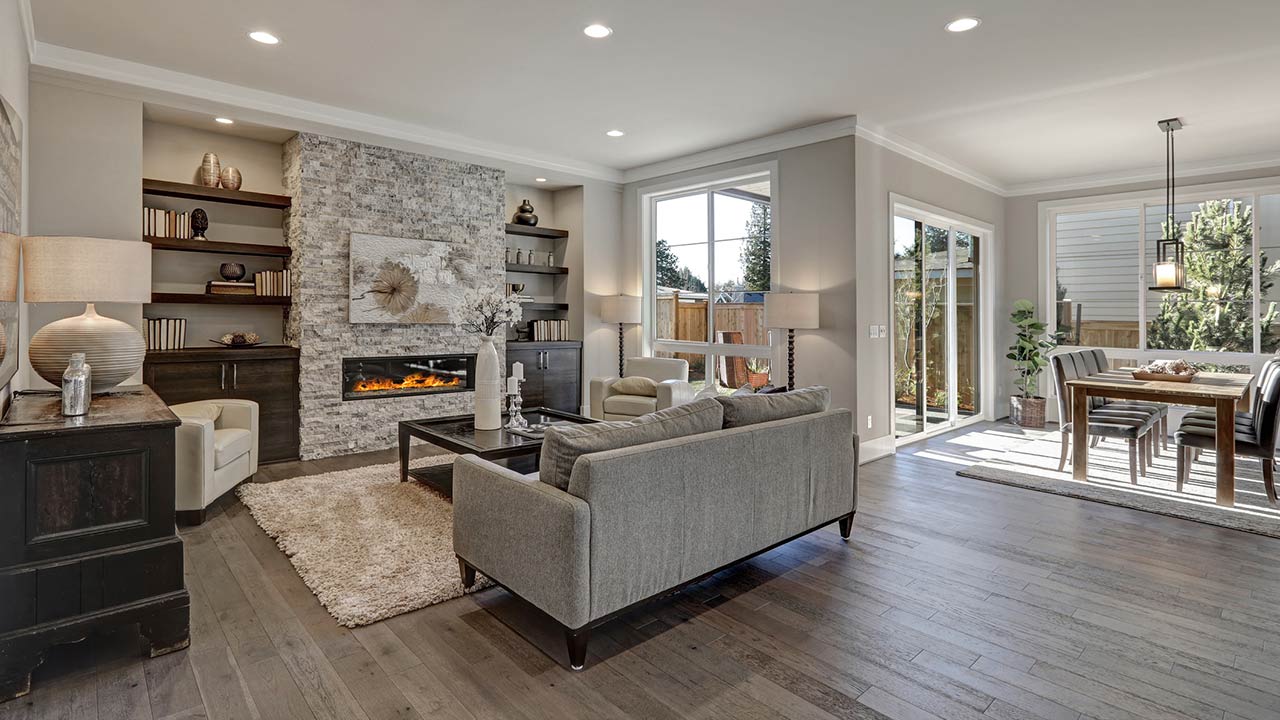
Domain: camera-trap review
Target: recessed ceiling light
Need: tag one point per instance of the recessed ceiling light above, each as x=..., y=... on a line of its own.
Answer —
x=615, y=133
x=539, y=179
x=264, y=37
x=224, y=121
x=597, y=31
x=963, y=24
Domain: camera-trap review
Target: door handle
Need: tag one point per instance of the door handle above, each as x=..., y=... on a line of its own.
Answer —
x=235, y=376
x=222, y=381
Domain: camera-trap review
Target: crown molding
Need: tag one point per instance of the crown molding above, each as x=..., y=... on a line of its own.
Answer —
x=148, y=83
x=1154, y=173
x=28, y=27
x=920, y=154
x=843, y=127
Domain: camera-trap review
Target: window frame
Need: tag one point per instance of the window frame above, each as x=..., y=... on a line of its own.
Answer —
x=1049, y=210
x=707, y=185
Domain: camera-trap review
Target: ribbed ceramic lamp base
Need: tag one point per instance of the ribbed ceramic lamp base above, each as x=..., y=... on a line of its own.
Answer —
x=114, y=349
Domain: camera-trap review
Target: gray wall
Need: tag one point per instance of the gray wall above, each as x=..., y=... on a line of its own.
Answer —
x=85, y=179
x=881, y=172
x=814, y=249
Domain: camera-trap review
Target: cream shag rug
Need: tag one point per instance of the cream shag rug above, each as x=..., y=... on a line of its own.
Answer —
x=369, y=546
x=1034, y=465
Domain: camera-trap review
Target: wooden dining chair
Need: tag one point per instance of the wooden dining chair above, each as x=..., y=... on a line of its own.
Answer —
x=1131, y=423
x=1255, y=431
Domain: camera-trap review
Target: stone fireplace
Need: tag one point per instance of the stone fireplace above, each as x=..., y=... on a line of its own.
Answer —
x=368, y=378
x=340, y=187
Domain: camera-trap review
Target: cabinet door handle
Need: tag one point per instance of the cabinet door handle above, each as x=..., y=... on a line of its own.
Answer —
x=235, y=376
x=546, y=359
x=222, y=380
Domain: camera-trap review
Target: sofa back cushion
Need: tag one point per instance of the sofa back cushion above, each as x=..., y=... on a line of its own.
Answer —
x=562, y=446
x=750, y=409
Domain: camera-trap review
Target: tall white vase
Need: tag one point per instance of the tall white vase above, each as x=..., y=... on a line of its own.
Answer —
x=488, y=386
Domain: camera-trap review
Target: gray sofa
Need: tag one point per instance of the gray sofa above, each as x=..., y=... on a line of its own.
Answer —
x=639, y=521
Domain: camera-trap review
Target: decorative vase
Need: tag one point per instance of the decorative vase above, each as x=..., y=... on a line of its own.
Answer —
x=230, y=178
x=199, y=223
x=231, y=272
x=488, y=386
x=1026, y=412
x=113, y=349
x=524, y=215
x=210, y=170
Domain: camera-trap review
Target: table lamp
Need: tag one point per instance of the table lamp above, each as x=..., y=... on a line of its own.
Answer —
x=624, y=310
x=791, y=311
x=87, y=270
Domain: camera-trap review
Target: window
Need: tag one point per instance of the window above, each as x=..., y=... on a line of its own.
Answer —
x=711, y=265
x=1101, y=274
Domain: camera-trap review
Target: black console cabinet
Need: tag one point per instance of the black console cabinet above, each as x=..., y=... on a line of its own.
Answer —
x=86, y=527
x=552, y=372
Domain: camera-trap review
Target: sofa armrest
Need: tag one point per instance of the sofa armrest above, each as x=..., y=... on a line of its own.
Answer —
x=674, y=392
x=241, y=414
x=601, y=388
x=524, y=534
x=193, y=462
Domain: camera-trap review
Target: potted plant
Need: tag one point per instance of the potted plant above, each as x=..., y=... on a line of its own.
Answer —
x=483, y=312
x=1029, y=360
x=757, y=372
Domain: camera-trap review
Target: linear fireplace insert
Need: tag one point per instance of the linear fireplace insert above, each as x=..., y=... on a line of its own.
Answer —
x=380, y=377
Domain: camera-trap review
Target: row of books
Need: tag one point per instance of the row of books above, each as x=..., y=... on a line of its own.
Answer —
x=166, y=333
x=268, y=282
x=166, y=223
x=548, y=330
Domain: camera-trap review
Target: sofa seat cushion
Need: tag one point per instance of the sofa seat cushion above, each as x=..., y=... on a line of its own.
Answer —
x=637, y=385
x=630, y=405
x=230, y=444
x=562, y=446
x=752, y=408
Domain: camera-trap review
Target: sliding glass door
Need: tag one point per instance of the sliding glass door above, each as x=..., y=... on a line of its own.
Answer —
x=935, y=331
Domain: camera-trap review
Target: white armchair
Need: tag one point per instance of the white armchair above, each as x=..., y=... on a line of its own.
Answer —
x=216, y=448
x=671, y=375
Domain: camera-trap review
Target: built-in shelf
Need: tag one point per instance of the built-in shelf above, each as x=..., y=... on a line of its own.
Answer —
x=215, y=352
x=545, y=306
x=535, y=231
x=166, y=188
x=210, y=299
x=214, y=246
x=537, y=269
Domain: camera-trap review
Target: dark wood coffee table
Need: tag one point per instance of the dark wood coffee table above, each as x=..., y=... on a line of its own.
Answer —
x=458, y=434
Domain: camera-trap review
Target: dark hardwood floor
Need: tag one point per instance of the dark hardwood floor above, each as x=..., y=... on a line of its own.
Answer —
x=955, y=599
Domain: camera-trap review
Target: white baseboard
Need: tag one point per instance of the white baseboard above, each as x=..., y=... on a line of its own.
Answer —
x=869, y=450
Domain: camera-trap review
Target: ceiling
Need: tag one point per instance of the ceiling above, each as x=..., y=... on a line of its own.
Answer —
x=1042, y=90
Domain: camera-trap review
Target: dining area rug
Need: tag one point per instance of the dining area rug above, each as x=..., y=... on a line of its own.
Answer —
x=1034, y=465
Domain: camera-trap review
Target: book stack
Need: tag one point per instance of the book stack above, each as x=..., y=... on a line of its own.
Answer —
x=221, y=287
x=166, y=333
x=272, y=282
x=166, y=223
x=548, y=330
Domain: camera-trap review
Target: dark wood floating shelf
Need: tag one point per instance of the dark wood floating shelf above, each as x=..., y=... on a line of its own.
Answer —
x=545, y=306
x=538, y=269
x=218, y=352
x=166, y=188
x=209, y=299
x=535, y=231
x=213, y=246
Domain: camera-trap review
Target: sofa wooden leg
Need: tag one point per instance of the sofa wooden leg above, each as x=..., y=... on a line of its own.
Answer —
x=846, y=526
x=577, y=642
x=191, y=517
x=467, y=572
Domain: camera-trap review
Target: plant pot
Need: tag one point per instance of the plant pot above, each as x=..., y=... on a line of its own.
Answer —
x=1026, y=412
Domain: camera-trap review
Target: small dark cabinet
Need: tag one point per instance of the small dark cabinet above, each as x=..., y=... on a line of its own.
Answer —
x=552, y=372
x=265, y=375
x=86, y=527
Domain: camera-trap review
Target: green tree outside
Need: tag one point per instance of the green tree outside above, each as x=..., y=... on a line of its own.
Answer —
x=757, y=251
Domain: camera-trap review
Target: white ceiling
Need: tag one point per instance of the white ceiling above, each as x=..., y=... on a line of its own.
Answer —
x=1043, y=90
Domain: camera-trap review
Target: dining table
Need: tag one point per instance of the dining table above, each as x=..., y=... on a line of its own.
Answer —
x=1224, y=392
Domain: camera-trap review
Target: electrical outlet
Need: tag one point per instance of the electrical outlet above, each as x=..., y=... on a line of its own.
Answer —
x=868, y=422
x=873, y=332
x=884, y=331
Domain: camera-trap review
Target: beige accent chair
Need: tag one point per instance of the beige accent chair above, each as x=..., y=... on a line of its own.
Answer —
x=216, y=449
x=670, y=374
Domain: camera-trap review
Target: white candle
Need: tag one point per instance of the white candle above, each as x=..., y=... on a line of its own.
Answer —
x=1166, y=275
x=517, y=370
x=513, y=385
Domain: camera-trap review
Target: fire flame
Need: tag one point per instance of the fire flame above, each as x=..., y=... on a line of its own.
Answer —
x=411, y=382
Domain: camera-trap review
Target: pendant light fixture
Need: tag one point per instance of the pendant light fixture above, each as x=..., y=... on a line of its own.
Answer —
x=1167, y=274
